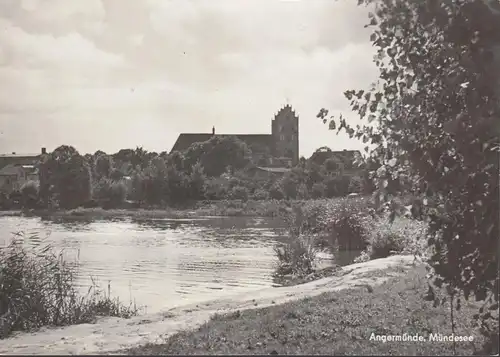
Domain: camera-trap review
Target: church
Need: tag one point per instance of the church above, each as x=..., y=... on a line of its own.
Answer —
x=281, y=146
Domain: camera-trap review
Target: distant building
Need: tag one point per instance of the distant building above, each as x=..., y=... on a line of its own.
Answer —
x=345, y=160
x=13, y=176
x=282, y=145
x=16, y=169
x=20, y=159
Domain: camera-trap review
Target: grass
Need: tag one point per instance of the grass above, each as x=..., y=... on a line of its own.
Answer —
x=37, y=288
x=336, y=323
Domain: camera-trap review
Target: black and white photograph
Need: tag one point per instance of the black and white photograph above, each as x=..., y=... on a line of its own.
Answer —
x=249, y=177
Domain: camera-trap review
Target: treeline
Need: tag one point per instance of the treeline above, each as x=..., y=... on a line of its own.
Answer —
x=218, y=169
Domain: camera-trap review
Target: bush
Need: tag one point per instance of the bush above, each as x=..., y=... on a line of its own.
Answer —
x=260, y=195
x=347, y=224
x=113, y=193
x=402, y=236
x=297, y=256
x=37, y=289
x=356, y=184
x=276, y=193
x=216, y=188
x=318, y=190
x=29, y=192
x=239, y=193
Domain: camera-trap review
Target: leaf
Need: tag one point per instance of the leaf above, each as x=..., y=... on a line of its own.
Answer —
x=373, y=37
x=331, y=125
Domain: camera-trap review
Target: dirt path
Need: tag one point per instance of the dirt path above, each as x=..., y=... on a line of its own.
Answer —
x=112, y=334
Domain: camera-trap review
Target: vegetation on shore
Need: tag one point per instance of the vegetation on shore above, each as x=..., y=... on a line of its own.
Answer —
x=141, y=179
x=345, y=224
x=37, y=289
x=336, y=323
x=432, y=131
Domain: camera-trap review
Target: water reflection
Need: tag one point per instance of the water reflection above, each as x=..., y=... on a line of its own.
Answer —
x=161, y=262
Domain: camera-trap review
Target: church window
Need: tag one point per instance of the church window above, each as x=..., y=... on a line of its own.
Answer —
x=282, y=137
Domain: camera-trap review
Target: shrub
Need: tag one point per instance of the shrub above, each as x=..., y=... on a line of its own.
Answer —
x=302, y=192
x=37, y=289
x=347, y=224
x=239, y=193
x=29, y=192
x=260, y=194
x=318, y=190
x=113, y=193
x=216, y=188
x=402, y=236
x=356, y=184
x=297, y=256
x=276, y=193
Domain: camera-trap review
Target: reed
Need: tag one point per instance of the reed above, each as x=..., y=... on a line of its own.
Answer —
x=37, y=288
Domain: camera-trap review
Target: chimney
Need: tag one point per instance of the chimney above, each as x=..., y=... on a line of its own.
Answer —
x=213, y=130
x=44, y=151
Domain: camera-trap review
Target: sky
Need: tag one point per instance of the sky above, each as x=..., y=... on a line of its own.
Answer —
x=113, y=74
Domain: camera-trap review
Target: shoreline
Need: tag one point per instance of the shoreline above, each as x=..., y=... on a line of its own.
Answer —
x=229, y=208
x=110, y=335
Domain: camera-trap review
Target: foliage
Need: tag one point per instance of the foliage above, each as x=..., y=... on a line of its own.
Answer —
x=103, y=165
x=216, y=154
x=356, y=185
x=30, y=191
x=296, y=256
x=401, y=236
x=37, y=288
x=318, y=190
x=433, y=127
x=346, y=224
x=112, y=192
x=239, y=193
x=65, y=176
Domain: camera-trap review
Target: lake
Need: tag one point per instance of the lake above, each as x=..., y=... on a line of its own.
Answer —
x=161, y=263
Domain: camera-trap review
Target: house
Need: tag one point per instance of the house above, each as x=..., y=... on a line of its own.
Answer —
x=281, y=145
x=14, y=176
x=20, y=159
x=344, y=160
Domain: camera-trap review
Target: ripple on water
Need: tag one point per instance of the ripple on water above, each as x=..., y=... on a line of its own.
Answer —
x=161, y=263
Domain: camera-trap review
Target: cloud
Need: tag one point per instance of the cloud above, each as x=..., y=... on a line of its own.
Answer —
x=147, y=70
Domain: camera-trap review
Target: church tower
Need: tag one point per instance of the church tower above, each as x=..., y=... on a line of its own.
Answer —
x=285, y=133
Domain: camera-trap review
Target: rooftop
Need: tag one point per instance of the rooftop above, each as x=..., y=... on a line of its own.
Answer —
x=15, y=154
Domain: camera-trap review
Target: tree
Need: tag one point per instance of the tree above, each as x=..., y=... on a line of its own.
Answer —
x=103, y=164
x=216, y=154
x=197, y=181
x=29, y=192
x=65, y=177
x=433, y=125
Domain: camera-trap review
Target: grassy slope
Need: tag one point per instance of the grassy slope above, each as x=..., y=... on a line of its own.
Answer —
x=334, y=323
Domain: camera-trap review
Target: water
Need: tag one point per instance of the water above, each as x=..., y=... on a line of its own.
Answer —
x=161, y=263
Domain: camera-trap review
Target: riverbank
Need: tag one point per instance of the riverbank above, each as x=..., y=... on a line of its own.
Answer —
x=228, y=208
x=114, y=334
x=346, y=322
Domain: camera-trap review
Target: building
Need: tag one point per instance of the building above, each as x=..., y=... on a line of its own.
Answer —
x=344, y=159
x=13, y=176
x=282, y=145
x=20, y=159
x=16, y=169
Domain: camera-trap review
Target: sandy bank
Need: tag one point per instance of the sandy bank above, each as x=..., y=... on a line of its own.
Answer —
x=112, y=334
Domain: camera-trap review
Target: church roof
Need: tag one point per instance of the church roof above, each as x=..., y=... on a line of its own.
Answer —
x=185, y=140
